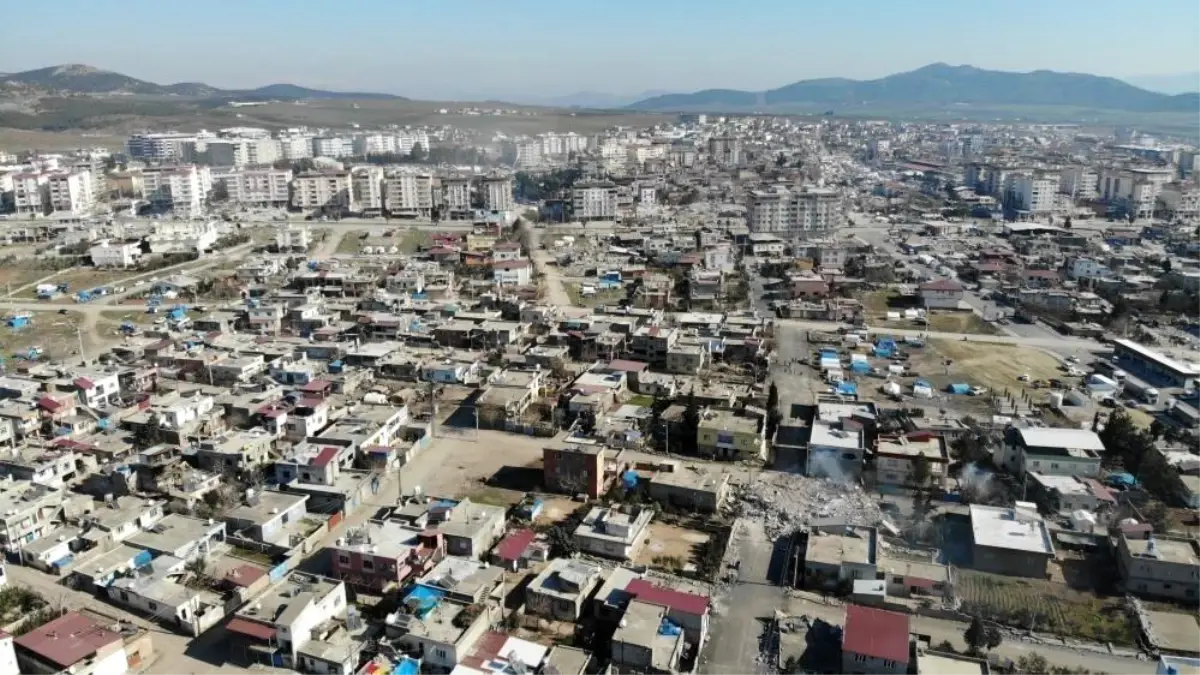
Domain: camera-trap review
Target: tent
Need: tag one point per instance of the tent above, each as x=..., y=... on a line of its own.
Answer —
x=959, y=388
x=847, y=389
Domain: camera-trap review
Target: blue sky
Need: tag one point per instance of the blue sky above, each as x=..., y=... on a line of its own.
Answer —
x=453, y=48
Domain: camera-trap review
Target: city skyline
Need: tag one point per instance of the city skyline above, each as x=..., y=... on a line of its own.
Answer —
x=621, y=48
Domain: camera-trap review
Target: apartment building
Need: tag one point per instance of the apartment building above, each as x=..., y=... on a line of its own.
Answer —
x=1079, y=182
x=1135, y=190
x=794, y=214
x=164, y=147
x=182, y=236
x=292, y=238
x=31, y=195
x=497, y=193
x=1160, y=566
x=257, y=187
x=292, y=147
x=725, y=150
x=241, y=151
x=115, y=253
x=182, y=189
x=332, y=146
x=374, y=144
x=1033, y=193
x=70, y=192
x=408, y=194
x=286, y=618
x=326, y=191
x=456, y=197
x=366, y=183
x=594, y=201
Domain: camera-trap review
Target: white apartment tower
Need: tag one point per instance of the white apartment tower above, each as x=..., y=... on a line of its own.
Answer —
x=594, y=201
x=409, y=194
x=327, y=191
x=258, y=187
x=332, y=146
x=1079, y=182
x=30, y=193
x=71, y=192
x=179, y=188
x=456, y=197
x=497, y=193
x=295, y=147
x=1034, y=193
x=367, y=184
x=794, y=214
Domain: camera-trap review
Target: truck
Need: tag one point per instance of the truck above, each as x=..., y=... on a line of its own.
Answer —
x=1141, y=392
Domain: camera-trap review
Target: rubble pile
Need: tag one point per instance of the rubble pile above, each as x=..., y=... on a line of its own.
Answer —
x=784, y=502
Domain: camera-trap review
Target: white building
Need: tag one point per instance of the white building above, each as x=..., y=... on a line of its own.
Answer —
x=512, y=272
x=332, y=146
x=71, y=192
x=179, y=188
x=794, y=214
x=456, y=196
x=1079, y=182
x=328, y=191
x=242, y=151
x=409, y=194
x=1088, y=268
x=1033, y=193
x=407, y=140
x=31, y=194
x=497, y=193
x=290, y=613
x=115, y=254
x=292, y=237
x=374, y=144
x=594, y=201
x=295, y=147
x=182, y=236
x=1135, y=189
x=1181, y=203
x=367, y=186
x=257, y=187
x=164, y=147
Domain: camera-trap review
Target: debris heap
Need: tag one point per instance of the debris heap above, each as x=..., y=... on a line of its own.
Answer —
x=784, y=502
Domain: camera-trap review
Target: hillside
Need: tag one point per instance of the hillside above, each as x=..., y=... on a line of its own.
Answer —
x=77, y=79
x=938, y=85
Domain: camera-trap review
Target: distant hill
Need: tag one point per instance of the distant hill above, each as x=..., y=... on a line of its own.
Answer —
x=938, y=85
x=84, y=80
x=1180, y=83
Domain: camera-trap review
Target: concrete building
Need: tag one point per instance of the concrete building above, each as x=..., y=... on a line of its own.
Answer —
x=327, y=192
x=121, y=254
x=497, y=193
x=613, y=533
x=293, y=147
x=470, y=529
x=456, y=197
x=794, y=214
x=574, y=470
x=381, y=555
x=290, y=237
x=284, y=619
x=71, y=192
x=1135, y=190
x=31, y=194
x=183, y=189
x=895, y=459
x=367, y=185
x=163, y=147
x=332, y=146
x=560, y=589
x=696, y=487
x=72, y=643
x=641, y=645
x=1079, y=182
x=724, y=435
x=594, y=201
x=941, y=294
x=408, y=194
x=1011, y=540
x=1034, y=193
x=1160, y=566
x=257, y=187
x=1055, y=452
x=182, y=236
x=267, y=515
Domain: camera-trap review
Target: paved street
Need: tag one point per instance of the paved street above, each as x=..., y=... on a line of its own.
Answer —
x=1070, y=344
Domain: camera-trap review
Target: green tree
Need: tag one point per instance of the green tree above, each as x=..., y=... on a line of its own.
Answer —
x=150, y=433
x=920, y=471
x=976, y=635
x=418, y=153
x=1165, y=298
x=690, y=424
x=773, y=414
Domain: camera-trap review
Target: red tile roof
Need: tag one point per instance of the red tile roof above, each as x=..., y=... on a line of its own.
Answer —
x=876, y=633
x=317, y=386
x=251, y=628
x=512, y=546
x=680, y=601
x=47, y=403
x=67, y=640
x=520, y=263
x=84, y=383
x=325, y=456
x=628, y=366
x=244, y=575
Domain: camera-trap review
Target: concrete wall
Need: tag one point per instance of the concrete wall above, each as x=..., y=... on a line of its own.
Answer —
x=1010, y=562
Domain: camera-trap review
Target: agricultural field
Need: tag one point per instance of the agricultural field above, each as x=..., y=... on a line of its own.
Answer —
x=1050, y=607
x=406, y=241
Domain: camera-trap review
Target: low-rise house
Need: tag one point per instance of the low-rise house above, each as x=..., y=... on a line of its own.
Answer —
x=941, y=294
x=235, y=451
x=180, y=536
x=613, y=533
x=839, y=557
x=29, y=510
x=646, y=642
x=1160, y=566
x=725, y=435
x=694, y=487
x=269, y=517
x=470, y=529
x=154, y=589
x=1067, y=494
x=574, y=470
x=53, y=467
x=510, y=394
x=283, y=620
x=464, y=580
x=120, y=519
x=1051, y=451
x=558, y=592
x=53, y=552
x=897, y=459
x=443, y=631
x=1011, y=540
x=875, y=641
x=379, y=555
x=517, y=272
x=72, y=643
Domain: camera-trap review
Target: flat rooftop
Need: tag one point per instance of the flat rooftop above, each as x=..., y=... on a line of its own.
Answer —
x=1015, y=529
x=930, y=448
x=1067, y=485
x=825, y=434
x=835, y=549
x=949, y=664
x=387, y=539
x=693, y=477
x=1067, y=439
x=1166, y=549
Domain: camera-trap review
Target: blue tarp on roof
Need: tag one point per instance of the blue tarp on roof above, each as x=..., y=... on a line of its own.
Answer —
x=847, y=388
x=860, y=366
x=423, y=599
x=959, y=388
x=1122, y=480
x=630, y=478
x=669, y=627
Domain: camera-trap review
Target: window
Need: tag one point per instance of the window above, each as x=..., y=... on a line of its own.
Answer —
x=368, y=564
x=286, y=517
x=153, y=607
x=343, y=559
x=441, y=653
x=124, y=596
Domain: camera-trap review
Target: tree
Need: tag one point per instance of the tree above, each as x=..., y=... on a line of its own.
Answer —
x=587, y=421
x=418, y=153
x=1156, y=429
x=690, y=423
x=994, y=637
x=148, y=434
x=773, y=414
x=920, y=471
x=976, y=635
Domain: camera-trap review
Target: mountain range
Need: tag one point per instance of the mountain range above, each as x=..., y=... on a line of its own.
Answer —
x=81, y=79
x=938, y=84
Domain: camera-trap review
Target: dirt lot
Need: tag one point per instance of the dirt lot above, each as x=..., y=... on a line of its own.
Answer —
x=497, y=467
x=994, y=366
x=405, y=240
x=53, y=332
x=670, y=546
x=960, y=322
x=599, y=297
x=77, y=279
